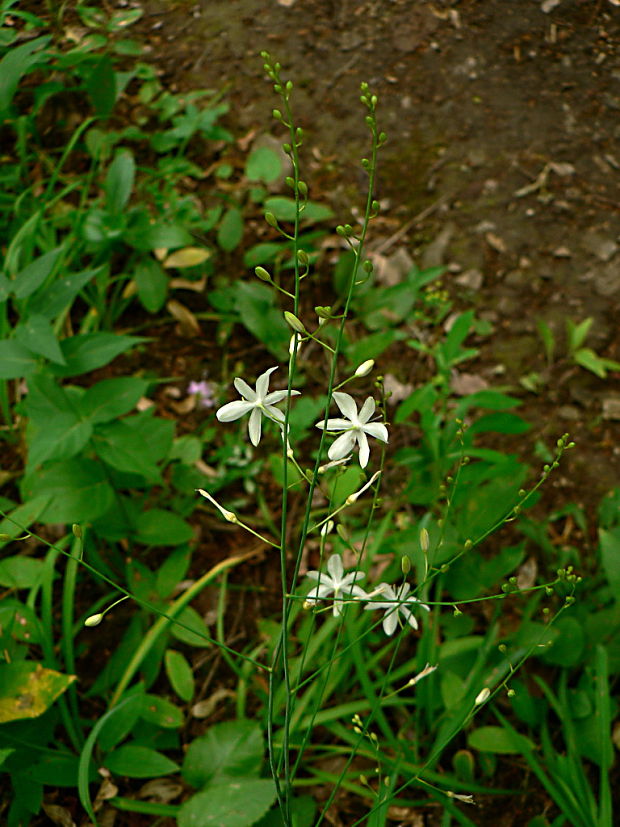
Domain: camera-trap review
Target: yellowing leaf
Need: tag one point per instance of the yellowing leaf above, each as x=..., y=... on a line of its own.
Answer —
x=187, y=257
x=27, y=689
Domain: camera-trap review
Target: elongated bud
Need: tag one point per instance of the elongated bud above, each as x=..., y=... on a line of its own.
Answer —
x=327, y=528
x=77, y=530
x=94, y=620
x=271, y=219
x=262, y=274
x=294, y=322
x=323, y=312
x=482, y=696
x=294, y=345
x=405, y=565
x=424, y=540
x=354, y=497
x=365, y=368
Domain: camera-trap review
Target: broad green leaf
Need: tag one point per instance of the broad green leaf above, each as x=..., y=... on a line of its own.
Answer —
x=101, y=86
x=16, y=361
x=20, y=572
x=156, y=431
x=498, y=740
x=118, y=445
x=112, y=398
x=161, y=712
x=120, y=20
x=186, y=448
x=118, y=727
x=173, y=570
x=263, y=253
x=236, y=802
x=568, y=647
x=180, y=674
x=500, y=422
x=136, y=761
x=55, y=299
x=79, y=490
x=155, y=236
x=36, y=333
x=21, y=518
x=119, y=181
x=232, y=748
x=15, y=64
x=54, y=770
x=20, y=623
x=610, y=557
x=152, y=283
x=89, y=351
x=27, y=689
x=158, y=527
x=254, y=303
x=33, y=276
x=230, y=231
x=284, y=210
x=190, y=618
x=263, y=164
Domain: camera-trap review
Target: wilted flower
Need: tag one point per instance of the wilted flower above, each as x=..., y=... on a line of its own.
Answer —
x=336, y=583
x=258, y=401
x=356, y=428
x=396, y=604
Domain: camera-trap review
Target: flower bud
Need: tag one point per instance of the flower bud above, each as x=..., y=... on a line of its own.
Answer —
x=424, y=540
x=262, y=274
x=77, y=530
x=482, y=696
x=271, y=219
x=294, y=322
x=365, y=368
x=93, y=620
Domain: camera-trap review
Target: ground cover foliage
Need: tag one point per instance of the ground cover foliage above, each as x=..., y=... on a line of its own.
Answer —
x=423, y=647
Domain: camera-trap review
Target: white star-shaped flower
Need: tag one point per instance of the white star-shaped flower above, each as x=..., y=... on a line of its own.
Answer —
x=259, y=401
x=336, y=583
x=356, y=427
x=396, y=604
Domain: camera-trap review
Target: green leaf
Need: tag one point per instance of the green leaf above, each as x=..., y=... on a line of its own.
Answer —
x=89, y=351
x=230, y=231
x=173, y=570
x=37, y=334
x=254, y=303
x=119, y=181
x=189, y=617
x=21, y=518
x=588, y=359
x=27, y=689
x=155, y=236
x=112, y=398
x=161, y=712
x=78, y=488
x=54, y=770
x=263, y=253
x=610, y=557
x=152, y=283
x=284, y=210
x=15, y=64
x=158, y=527
x=498, y=740
x=101, y=86
x=33, y=276
x=16, y=361
x=119, y=446
x=179, y=674
x=20, y=572
x=235, y=802
x=136, y=761
x=232, y=748
x=263, y=164
x=500, y=422
x=55, y=299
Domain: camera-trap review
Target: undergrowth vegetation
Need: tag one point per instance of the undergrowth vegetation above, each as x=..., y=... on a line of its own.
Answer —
x=326, y=602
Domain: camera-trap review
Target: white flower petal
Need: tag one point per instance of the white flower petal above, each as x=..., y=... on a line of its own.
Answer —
x=254, y=426
x=347, y=405
x=368, y=409
x=411, y=620
x=277, y=396
x=376, y=429
x=362, y=441
x=390, y=622
x=244, y=389
x=334, y=567
x=262, y=383
x=342, y=446
x=319, y=592
x=233, y=410
x=274, y=413
x=338, y=425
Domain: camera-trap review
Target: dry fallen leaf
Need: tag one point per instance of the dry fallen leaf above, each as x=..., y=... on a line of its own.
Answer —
x=203, y=709
x=188, y=323
x=187, y=257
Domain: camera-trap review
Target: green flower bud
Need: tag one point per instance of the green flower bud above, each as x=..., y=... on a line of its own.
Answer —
x=365, y=368
x=323, y=312
x=271, y=219
x=294, y=322
x=262, y=274
x=93, y=620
